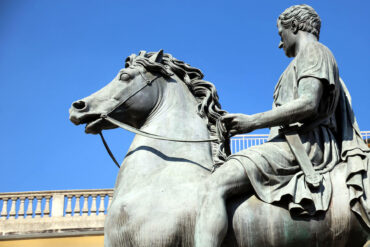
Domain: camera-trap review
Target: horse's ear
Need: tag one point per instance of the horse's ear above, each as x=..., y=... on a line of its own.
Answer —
x=157, y=57
x=142, y=53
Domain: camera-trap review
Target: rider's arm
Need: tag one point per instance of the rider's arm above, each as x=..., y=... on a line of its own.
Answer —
x=310, y=90
x=305, y=106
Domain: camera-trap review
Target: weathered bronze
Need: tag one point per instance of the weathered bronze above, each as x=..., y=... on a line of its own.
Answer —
x=313, y=130
x=274, y=194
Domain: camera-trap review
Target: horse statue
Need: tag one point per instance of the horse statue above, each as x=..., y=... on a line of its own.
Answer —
x=156, y=195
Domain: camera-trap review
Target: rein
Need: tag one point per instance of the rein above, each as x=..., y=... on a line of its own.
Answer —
x=133, y=90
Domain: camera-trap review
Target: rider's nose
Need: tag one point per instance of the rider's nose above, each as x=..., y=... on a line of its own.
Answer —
x=79, y=105
x=281, y=44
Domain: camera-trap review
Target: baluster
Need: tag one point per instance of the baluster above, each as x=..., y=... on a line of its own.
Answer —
x=38, y=206
x=110, y=196
x=4, y=210
x=29, y=211
x=85, y=208
x=12, y=212
x=47, y=206
x=21, y=207
x=77, y=209
x=102, y=206
x=69, y=205
x=93, y=205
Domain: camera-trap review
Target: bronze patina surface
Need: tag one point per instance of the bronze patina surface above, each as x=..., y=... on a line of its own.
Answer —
x=311, y=190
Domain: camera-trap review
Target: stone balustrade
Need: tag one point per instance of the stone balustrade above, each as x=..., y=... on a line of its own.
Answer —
x=240, y=142
x=53, y=212
x=54, y=203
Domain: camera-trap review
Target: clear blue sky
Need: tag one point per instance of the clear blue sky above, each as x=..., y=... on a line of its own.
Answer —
x=55, y=52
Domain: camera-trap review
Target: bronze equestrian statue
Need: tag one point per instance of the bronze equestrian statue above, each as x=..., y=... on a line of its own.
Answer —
x=178, y=184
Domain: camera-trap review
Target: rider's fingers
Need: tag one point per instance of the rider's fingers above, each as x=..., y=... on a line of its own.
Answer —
x=228, y=117
x=233, y=132
x=234, y=122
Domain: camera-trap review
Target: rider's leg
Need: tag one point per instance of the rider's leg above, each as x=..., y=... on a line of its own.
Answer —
x=211, y=223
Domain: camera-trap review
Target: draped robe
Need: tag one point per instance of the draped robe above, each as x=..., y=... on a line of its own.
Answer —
x=330, y=137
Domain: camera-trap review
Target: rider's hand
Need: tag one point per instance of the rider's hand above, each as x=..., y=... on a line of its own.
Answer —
x=238, y=123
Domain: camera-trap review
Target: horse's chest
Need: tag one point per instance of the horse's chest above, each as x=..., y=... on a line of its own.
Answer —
x=154, y=213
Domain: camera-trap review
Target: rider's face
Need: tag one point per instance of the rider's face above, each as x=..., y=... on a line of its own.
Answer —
x=288, y=40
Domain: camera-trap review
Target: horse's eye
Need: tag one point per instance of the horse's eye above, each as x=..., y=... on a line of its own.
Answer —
x=124, y=77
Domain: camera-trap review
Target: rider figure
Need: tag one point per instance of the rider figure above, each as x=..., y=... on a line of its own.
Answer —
x=307, y=98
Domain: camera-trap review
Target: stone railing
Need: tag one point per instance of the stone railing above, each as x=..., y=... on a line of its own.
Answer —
x=241, y=142
x=62, y=213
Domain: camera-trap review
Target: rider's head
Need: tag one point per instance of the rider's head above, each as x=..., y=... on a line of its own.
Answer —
x=301, y=17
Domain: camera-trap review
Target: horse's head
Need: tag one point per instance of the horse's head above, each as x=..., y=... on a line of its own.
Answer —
x=137, y=91
x=134, y=90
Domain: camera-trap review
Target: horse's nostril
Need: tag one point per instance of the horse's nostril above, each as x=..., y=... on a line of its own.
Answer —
x=79, y=105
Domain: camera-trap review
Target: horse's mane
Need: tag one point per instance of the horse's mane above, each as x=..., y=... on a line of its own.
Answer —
x=204, y=92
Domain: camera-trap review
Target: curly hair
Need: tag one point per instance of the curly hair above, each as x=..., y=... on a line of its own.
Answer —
x=307, y=18
x=204, y=92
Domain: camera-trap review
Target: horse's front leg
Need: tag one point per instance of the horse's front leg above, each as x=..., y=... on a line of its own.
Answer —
x=212, y=221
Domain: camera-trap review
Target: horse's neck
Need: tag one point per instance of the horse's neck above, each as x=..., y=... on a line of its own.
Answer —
x=175, y=117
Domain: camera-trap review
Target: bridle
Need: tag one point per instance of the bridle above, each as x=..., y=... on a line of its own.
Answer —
x=131, y=91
